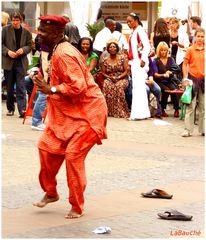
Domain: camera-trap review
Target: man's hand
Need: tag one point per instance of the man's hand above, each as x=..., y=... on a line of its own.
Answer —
x=167, y=74
x=41, y=84
x=12, y=54
x=174, y=43
x=149, y=82
x=187, y=82
x=19, y=52
x=142, y=64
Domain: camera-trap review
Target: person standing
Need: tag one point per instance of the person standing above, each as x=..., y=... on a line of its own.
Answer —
x=16, y=44
x=139, y=48
x=77, y=116
x=72, y=32
x=104, y=36
x=160, y=33
x=4, y=18
x=121, y=38
x=195, y=23
x=194, y=69
x=40, y=104
x=179, y=41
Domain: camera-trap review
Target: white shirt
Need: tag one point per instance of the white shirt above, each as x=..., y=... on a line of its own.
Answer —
x=102, y=39
x=183, y=39
x=122, y=40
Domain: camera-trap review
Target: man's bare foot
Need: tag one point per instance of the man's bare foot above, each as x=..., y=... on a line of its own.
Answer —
x=45, y=200
x=72, y=214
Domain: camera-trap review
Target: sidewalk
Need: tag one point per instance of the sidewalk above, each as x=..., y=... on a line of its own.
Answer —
x=137, y=157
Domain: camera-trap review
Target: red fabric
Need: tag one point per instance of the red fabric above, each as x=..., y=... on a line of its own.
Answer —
x=54, y=20
x=81, y=102
x=76, y=121
x=140, y=45
x=77, y=150
x=130, y=54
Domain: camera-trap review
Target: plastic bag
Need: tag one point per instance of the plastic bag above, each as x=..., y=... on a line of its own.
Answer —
x=186, y=97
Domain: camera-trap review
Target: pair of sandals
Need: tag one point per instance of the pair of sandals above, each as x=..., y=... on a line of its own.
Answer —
x=170, y=214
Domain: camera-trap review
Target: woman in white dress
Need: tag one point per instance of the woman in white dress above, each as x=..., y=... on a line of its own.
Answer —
x=139, y=48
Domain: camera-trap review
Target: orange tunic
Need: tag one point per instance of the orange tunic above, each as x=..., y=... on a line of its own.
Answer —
x=80, y=103
x=76, y=122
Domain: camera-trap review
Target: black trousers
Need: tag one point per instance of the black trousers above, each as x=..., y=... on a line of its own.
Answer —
x=165, y=95
x=15, y=75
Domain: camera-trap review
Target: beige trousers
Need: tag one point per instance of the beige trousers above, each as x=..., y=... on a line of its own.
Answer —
x=190, y=113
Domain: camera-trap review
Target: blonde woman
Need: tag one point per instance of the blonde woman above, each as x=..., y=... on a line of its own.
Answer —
x=179, y=41
x=4, y=18
x=162, y=75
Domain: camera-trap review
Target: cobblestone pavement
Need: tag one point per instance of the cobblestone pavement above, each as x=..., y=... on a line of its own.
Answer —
x=138, y=156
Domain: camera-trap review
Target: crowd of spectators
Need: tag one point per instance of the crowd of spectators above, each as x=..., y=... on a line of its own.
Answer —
x=113, y=57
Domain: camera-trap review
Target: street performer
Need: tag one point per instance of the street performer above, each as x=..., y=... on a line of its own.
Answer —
x=77, y=116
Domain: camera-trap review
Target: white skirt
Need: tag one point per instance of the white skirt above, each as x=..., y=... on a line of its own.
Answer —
x=140, y=107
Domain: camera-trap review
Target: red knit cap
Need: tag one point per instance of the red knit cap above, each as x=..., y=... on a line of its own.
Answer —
x=54, y=20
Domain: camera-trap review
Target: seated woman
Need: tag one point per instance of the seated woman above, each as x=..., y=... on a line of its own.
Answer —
x=114, y=69
x=162, y=76
x=85, y=46
x=153, y=87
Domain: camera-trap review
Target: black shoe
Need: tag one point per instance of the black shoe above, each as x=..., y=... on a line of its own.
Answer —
x=22, y=114
x=10, y=113
x=158, y=116
x=3, y=97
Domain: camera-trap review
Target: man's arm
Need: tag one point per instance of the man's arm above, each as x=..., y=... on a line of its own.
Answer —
x=3, y=38
x=184, y=68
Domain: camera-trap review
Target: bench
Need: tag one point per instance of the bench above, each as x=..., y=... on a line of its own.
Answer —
x=183, y=106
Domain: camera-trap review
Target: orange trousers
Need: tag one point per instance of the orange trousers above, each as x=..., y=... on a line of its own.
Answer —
x=76, y=151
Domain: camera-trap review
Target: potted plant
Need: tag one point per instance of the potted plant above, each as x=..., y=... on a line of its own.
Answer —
x=94, y=28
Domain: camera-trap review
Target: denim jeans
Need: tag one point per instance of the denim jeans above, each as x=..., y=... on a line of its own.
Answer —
x=156, y=90
x=38, y=109
x=28, y=82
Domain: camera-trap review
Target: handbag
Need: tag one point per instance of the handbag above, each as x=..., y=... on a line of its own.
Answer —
x=186, y=97
x=99, y=79
x=175, y=69
x=128, y=93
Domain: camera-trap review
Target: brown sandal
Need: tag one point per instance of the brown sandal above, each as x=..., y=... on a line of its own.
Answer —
x=174, y=215
x=157, y=193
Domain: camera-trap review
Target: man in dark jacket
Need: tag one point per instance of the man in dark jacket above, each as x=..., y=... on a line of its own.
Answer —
x=16, y=44
x=72, y=32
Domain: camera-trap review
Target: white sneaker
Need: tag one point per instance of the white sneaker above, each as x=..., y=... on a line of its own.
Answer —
x=186, y=133
x=40, y=127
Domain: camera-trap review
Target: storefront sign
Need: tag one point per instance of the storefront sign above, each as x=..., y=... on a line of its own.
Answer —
x=120, y=10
